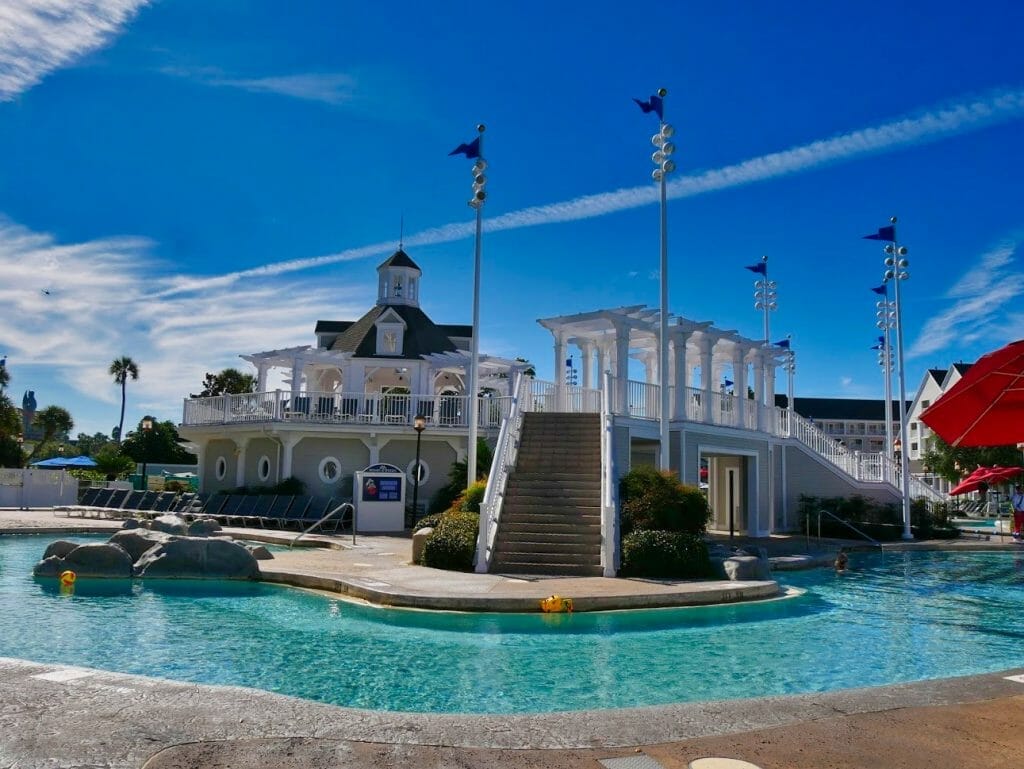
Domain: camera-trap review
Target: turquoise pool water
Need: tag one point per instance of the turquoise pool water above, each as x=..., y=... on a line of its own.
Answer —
x=894, y=617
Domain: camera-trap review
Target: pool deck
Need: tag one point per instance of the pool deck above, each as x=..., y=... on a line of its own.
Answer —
x=54, y=716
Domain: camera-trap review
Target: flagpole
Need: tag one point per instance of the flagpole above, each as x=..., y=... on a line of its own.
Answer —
x=474, y=402
x=897, y=272
x=663, y=167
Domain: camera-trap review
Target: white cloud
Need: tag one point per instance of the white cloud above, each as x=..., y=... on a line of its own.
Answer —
x=103, y=303
x=978, y=306
x=39, y=36
x=928, y=126
x=328, y=87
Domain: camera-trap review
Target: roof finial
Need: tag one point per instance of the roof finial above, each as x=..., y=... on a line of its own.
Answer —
x=401, y=230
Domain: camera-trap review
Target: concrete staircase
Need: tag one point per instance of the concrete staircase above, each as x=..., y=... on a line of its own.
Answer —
x=551, y=517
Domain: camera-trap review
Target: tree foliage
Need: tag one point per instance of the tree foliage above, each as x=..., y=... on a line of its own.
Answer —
x=443, y=497
x=943, y=459
x=158, y=444
x=55, y=422
x=90, y=445
x=230, y=381
x=122, y=369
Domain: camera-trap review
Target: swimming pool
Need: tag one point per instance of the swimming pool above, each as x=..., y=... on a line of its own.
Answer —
x=894, y=617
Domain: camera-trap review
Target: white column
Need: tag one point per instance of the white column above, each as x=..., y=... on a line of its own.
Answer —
x=240, y=446
x=621, y=369
x=288, y=444
x=261, y=378
x=587, y=351
x=560, y=350
x=757, y=361
x=602, y=363
x=296, y=378
x=680, y=375
x=739, y=375
x=769, y=380
x=706, y=378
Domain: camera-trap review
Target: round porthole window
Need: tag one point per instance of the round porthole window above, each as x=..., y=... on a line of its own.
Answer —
x=221, y=468
x=330, y=470
x=263, y=468
x=410, y=472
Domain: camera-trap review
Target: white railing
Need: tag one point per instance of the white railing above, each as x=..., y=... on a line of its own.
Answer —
x=610, y=557
x=341, y=408
x=560, y=398
x=504, y=461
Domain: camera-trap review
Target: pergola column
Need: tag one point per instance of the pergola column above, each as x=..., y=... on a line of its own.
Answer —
x=739, y=374
x=679, y=379
x=587, y=351
x=296, y=378
x=706, y=377
x=757, y=360
x=621, y=369
x=560, y=350
x=261, y=377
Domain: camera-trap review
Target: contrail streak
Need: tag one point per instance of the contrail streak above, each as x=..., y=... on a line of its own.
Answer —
x=929, y=126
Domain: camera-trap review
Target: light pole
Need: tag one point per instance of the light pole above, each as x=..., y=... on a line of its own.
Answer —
x=885, y=319
x=764, y=294
x=663, y=166
x=419, y=424
x=475, y=150
x=896, y=270
x=147, y=427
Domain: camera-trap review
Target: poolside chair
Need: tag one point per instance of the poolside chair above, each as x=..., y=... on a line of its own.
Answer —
x=259, y=513
x=242, y=514
x=231, y=504
x=164, y=502
x=145, y=505
x=131, y=503
x=278, y=511
x=296, y=512
x=100, y=502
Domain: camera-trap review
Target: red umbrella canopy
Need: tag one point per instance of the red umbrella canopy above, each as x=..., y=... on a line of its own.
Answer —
x=998, y=474
x=986, y=407
x=972, y=482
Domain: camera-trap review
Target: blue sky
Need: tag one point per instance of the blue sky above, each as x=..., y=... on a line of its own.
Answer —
x=194, y=181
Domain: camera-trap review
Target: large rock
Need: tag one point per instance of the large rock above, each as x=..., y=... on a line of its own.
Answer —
x=60, y=548
x=138, y=541
x=260, y=553
x=131, y=523
x=419, y=541
x=170, y=524
x=103, y=560
x=744, y=568
x=198, y=558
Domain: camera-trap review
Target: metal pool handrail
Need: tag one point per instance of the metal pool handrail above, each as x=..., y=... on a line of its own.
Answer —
x=849, y=525
x=326, y=516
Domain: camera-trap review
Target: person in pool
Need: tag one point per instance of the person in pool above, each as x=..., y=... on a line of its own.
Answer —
x=842, y=561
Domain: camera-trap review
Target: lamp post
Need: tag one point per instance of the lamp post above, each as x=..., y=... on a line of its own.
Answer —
x=477, y=204
x=885, y=316
x=419, y=424
x=663, y=166
x=147, y=427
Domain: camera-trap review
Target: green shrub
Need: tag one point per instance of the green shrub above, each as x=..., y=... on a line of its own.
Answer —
x=664, y=554
x=658, y=501
x=427, y=522
x=291, y=485
x=883, y=522
x=470, y=499
x=452, y=544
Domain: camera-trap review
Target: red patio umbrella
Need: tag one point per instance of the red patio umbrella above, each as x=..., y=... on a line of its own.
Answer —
x=999, y=474
x=986, y=407
x=972, y=482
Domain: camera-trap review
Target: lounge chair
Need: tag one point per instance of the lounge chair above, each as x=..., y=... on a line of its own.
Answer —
x=296, y=512
x=278, y=511
x=261, y=509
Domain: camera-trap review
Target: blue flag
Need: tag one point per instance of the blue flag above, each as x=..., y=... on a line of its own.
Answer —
x=728, y=383
x=882, y=289
x=655, y=105
x=471, y=150
x=884, y=233
x=760, y=268
x=784, y=343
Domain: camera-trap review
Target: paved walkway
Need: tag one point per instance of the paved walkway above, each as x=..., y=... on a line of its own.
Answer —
x=53, y=716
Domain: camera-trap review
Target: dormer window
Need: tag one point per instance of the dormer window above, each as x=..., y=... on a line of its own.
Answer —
x=390, y=338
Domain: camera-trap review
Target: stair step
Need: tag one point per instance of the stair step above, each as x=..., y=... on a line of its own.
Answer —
x=581, y=559
x=551, y=548
x=549, y=570
x=543, y=527
x=554, y=538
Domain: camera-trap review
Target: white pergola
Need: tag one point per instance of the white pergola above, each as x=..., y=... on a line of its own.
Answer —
x=699, y=353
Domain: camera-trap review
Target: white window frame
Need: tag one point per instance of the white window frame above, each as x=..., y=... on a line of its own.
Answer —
x=220, y=467
x=323, y=465
x=263, y=461
x=424, y=470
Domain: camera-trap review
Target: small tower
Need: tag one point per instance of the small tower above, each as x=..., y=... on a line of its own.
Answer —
x=398, y=280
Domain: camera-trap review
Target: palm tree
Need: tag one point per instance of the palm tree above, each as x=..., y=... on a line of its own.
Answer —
x=121, y=369
x=53, y=420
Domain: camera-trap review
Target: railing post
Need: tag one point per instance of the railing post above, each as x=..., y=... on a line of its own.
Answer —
x=227, y=407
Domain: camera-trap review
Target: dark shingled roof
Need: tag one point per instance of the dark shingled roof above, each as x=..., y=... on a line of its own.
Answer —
x=422, y=335
x=399, y=259
x=963, y=368
x=938, y=374
x=462, y=332
x=332, y=326
x=848, y=409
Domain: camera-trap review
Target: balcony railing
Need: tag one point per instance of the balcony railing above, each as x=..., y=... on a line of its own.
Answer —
x=342, y=408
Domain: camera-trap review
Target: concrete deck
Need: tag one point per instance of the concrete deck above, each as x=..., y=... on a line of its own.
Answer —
x=53, y=716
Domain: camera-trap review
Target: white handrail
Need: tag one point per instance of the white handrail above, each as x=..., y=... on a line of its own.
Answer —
x=504, y=459
x=326, y=516
x=609, y=491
